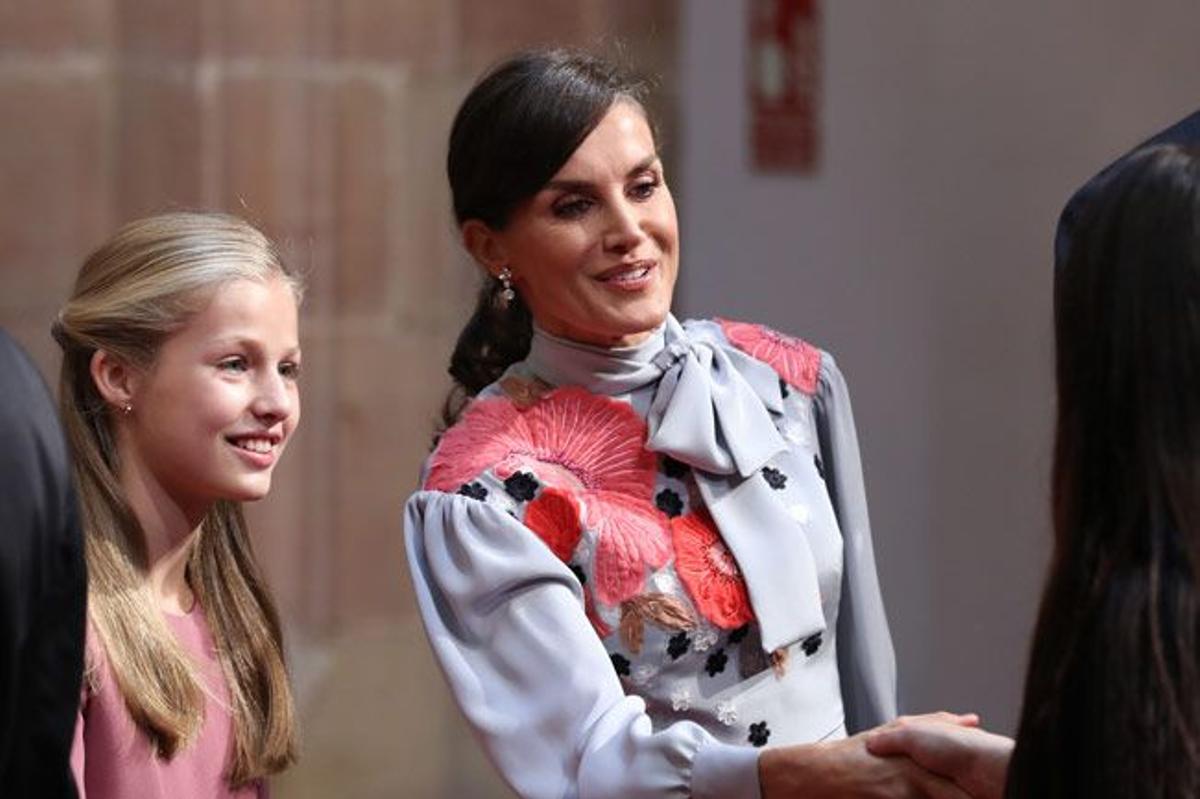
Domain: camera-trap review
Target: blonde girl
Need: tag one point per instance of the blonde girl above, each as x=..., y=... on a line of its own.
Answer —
x=179, y=393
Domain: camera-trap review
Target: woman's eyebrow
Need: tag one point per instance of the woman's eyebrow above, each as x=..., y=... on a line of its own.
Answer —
x=583, y=185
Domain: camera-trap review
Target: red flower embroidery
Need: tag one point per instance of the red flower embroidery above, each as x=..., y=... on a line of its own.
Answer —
x=796, y=361
x=631, y=535
x=709, y=571
x=571, y=438
x=554, y=516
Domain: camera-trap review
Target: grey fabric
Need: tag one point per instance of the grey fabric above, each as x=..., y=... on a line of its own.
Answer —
x=505, y=621
x=866, y=659
x=509, y=622
x=711, y=409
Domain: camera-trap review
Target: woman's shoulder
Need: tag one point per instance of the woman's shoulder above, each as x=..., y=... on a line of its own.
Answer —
x=568, y=435
x=804, y=366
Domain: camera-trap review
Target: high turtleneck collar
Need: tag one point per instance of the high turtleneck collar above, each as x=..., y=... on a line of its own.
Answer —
x=603, y=370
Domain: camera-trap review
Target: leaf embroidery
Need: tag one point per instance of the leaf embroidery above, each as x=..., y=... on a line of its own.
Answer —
x=524, y=393
x=662, y=609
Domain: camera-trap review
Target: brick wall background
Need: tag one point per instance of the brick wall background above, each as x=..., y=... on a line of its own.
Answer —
x=324, y=122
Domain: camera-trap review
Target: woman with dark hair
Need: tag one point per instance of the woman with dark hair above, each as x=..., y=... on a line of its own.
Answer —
x=641, y=551
x=1112, y=697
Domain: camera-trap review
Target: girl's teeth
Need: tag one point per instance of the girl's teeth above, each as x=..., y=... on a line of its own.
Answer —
x=255, y=445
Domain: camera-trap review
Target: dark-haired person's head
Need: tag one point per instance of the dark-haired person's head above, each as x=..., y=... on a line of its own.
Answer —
x=1112, y=704
x=559, y=194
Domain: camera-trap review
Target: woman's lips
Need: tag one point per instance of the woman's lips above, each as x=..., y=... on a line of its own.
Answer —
x=632, y=276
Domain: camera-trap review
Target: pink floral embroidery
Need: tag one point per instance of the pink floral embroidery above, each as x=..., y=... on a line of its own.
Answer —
x=631, y=535
x=709, y=571
x=796, y=361
x=554, y=516
x=571, y=438
x=586, y=450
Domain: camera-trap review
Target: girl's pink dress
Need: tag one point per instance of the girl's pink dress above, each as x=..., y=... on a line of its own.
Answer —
x=112, y=759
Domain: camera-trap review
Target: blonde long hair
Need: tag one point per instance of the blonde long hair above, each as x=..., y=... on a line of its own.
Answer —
x=131, y=294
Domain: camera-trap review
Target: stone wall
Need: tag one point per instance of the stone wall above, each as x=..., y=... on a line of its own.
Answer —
x=323, y=121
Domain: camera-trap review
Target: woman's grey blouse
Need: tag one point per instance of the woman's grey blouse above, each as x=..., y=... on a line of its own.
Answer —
x=595, y=620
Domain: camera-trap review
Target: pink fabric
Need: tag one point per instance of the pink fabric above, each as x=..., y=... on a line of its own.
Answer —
x=569, y=438
x=793, y=359
x=582, y=443
x=631, y=536
x=112, y=759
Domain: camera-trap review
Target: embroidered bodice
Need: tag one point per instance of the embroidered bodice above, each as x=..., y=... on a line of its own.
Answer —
x=626, y=534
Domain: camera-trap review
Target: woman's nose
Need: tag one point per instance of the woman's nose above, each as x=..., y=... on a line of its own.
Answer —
x=624, y=227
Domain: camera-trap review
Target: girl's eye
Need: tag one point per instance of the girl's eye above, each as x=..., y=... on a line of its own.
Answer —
x=572, y=209
x=234, y=364
x=290, y=370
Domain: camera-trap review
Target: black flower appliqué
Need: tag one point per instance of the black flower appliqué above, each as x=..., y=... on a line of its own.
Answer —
x=620, y=663
x=759, y=733
x=473, y=490
x=669, y=502
x=577, y=570
x=716, y=663
x=678, y=646
x=783, y=388
x=811, y=644
x=775, y=478
x=737, y=635
x=673, y=468
x=521, y=486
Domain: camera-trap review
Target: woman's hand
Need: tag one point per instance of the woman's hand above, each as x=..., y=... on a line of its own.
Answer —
x=976, y=760
x=846, y=770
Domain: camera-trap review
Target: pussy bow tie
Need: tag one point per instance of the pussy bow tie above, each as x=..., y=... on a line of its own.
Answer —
x=711, y=409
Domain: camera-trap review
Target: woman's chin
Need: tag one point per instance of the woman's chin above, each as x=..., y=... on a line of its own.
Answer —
x=634, y=330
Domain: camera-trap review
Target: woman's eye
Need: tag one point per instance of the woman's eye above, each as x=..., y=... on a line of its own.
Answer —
x=235, y=364
x=290, y=370
x=644, y=189
x=572, y=209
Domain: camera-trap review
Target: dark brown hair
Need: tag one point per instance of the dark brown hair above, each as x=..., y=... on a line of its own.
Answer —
x=513, y=132
x=1112, y=697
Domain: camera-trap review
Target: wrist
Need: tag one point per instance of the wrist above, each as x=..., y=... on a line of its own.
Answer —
x=786, y=771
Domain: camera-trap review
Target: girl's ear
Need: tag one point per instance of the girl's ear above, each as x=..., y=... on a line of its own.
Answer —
x=485, y=246
x=115, y=379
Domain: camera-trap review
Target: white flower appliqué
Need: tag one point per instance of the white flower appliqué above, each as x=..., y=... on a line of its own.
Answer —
x=644, y=673
x=703, y=639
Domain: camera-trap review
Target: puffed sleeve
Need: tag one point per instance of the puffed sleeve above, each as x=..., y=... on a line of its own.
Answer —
x=866, y=661
x=506, y=621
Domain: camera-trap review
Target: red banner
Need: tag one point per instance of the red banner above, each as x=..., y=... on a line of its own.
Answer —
x=784, y=84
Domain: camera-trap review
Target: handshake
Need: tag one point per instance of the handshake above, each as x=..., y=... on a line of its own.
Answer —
x=934, y=756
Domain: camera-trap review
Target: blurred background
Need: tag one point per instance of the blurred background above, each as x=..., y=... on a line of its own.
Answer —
x=897, y=210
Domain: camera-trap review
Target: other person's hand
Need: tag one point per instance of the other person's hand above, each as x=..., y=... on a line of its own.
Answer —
x=845, y=769
x=974, y=759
